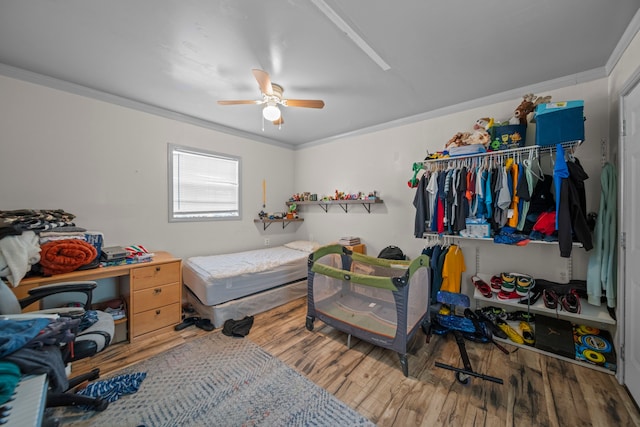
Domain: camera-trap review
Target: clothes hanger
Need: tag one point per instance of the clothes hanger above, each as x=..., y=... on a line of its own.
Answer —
x=529, y=163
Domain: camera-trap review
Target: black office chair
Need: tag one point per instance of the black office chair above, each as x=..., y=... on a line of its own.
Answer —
x=85, y=344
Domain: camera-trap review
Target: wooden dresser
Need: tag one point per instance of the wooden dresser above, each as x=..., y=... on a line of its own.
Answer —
x=152, y=291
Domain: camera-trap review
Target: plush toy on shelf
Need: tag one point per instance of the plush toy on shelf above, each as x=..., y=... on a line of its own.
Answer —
x=479, y=136
x=526, y=107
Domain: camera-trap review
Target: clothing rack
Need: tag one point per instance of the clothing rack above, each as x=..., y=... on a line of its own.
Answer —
x=492, y=156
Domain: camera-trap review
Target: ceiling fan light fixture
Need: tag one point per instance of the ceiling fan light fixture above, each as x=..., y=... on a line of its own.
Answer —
x=271, y=113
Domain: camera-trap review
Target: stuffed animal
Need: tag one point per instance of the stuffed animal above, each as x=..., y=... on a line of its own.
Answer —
x=528, y=104
x=480, y=135
x=457, y=140
x=484, y=123
x=522, y=111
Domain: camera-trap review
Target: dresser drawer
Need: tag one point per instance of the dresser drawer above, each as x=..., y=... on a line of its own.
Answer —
x=156, y=318
x=154, y=275
x=155, y=297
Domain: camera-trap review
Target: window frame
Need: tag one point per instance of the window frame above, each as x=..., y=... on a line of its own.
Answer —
x=171, y=149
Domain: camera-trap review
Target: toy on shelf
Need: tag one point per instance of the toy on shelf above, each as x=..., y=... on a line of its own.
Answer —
x=526, y=107
x=478, y=137
x=293, y=211
x=413, y=182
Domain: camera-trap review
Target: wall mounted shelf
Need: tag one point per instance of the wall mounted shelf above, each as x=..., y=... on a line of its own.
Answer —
x=344, y=204
x=267, y=222
x=536, y=150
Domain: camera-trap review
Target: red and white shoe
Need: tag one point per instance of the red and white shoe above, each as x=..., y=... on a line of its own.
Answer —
x=508, y=295
x=482, y=286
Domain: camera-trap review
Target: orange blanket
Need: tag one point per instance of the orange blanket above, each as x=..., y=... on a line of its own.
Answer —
x=64, y=256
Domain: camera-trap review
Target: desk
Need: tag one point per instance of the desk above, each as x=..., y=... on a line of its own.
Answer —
x=360, y=248
x=152, y=291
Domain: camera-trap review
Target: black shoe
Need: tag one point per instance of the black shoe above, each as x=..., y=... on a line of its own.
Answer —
x=521, y=315
x=533, y=298
x=550, y=299
x=571, y=302
x=205, y=324
x=492, y=326
x=188, y=321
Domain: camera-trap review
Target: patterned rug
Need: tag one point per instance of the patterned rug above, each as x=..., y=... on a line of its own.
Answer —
x=219, y=381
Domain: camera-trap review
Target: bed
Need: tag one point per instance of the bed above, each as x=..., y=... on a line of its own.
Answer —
x=234, y=285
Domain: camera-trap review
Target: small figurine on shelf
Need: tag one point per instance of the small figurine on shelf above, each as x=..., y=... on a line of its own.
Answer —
x=262, y=214
x=293, y=212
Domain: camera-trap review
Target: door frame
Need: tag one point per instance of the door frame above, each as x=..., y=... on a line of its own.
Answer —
x=630, y=85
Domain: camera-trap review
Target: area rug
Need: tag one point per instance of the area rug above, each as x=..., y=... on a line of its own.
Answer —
x=219, y=381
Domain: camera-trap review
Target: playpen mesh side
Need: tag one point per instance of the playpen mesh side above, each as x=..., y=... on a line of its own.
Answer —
x=372, y=309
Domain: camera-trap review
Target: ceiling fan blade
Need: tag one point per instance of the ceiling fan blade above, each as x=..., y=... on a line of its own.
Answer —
x=279, y=121
x=307, y=103
x=239, y=102
x=264, y=81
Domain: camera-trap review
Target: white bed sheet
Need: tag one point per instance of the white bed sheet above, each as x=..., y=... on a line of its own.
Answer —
x=216, y=279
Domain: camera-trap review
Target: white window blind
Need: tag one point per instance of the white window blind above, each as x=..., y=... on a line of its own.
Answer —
x=203, y=185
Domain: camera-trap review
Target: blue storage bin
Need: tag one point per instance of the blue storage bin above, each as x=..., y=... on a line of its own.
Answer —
x=558, y=122
x=507, y=136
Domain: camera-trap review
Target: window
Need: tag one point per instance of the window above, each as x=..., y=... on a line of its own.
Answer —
x=203, y=186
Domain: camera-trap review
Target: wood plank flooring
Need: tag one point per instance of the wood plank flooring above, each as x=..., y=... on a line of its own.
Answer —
x=537, y=390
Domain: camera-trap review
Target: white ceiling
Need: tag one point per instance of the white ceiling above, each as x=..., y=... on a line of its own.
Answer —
x=181, y=56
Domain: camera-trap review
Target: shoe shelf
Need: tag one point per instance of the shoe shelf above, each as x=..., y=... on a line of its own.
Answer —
x=547, y=353
x=590, y=314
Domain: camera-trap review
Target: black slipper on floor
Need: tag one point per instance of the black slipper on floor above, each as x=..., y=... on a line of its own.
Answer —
x=188, y=321
x=205, y=324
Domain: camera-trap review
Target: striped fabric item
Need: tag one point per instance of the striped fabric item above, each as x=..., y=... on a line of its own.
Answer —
x=135, y=250
x=113, y=388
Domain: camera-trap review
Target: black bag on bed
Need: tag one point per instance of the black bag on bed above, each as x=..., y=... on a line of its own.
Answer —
x=392, y=252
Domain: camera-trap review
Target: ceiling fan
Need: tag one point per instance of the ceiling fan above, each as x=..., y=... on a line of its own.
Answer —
x=272, y=98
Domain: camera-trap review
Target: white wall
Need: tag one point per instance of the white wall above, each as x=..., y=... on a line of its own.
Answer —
x=383, y=160
x=107, y=164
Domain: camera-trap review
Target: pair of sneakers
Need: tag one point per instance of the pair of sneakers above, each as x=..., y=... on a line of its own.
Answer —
x=525, y=336
x=569, y=302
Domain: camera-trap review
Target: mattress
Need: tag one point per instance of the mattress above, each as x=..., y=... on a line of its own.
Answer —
x=216, y=279
x=247, y=306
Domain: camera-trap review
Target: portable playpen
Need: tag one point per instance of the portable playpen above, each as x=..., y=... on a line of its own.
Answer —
x=381, y=301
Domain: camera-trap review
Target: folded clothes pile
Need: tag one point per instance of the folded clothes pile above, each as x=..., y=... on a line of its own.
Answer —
x=64, y=256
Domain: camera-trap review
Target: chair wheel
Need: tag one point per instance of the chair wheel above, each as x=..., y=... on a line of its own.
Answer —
x=100, y=404
x=462, y=378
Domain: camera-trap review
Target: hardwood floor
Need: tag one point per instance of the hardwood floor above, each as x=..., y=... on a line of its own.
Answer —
x=537, y=390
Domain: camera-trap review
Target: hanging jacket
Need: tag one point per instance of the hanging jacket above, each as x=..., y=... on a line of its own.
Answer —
x=421, y=203
x=601, y=271
x=571, y=219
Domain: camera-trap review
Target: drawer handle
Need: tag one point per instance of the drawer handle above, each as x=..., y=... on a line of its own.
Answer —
x=157, y=268
x=157, y=291
x=157, y=311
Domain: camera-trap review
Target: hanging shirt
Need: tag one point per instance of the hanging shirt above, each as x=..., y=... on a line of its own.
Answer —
x=421, y=203
x=525, y=195
x=560, y=172
x=452, y=270
x=488, y=194
x=512, y=171
x=432, y=190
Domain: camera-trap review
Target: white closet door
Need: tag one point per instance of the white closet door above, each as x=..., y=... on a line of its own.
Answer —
x=631, y=226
